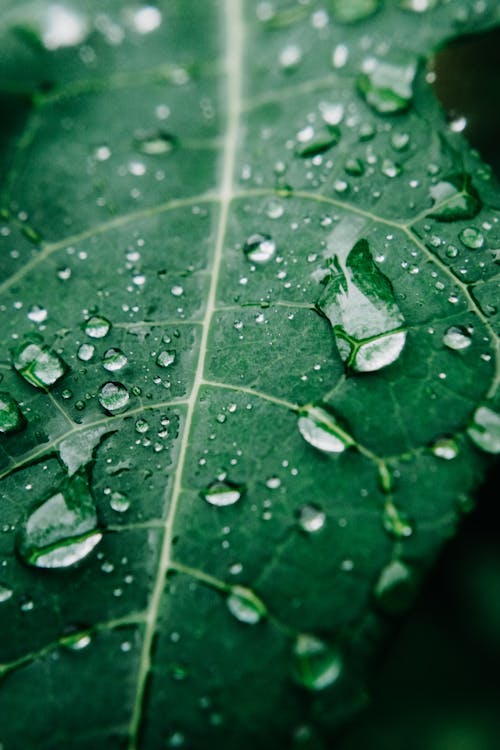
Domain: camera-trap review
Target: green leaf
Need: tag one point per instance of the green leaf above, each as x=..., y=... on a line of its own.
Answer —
x=249, y=360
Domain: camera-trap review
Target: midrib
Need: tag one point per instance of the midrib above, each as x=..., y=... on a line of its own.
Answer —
x=232, y=12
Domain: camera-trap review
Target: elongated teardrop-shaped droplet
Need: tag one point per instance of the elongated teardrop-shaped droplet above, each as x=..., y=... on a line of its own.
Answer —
x=395, y=587
x=316, y=665
x=319, y=143
x=396, y=523
x=245, y=605
x=485, y=430
x=359, y=302
x=63, y=529
x=156, y=143
x=454, y=198
x=11, y=418
x=350, y=11
x=222, y=493
x=5, y=593
x=387, y=84
x=319, y=427
x=38, y=364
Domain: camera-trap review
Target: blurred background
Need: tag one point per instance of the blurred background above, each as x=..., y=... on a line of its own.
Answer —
x=438, y=683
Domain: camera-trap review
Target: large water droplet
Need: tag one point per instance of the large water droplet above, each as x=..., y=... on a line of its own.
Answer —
x=472, y=238
x=245, y=605
x=318, y=143
x=165, y=359
x=457, y=338
x=11, y=418
x=319, y=427
x=113, y=360
x=259, y=248
x=485, y=430
x=316, y=664
x=222, y=493
x=77, y=449
x=455, y=198
x=97, y=327
x=395, y=588
x=38, y=364
x=350, y=11
x=359, y=302
x=113, y=397
x=86, y=352
x=311, y=518
x=387, y=85
x=63, y=529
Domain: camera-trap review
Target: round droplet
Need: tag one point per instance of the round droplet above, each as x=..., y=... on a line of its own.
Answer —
x=320, y=429
x=97, y=327
x=5, y=593
x=86, y=352
x=445, y=448
x=245, y=605
x=222, y=493
x=457, y=338
x=311, y=518
x=485, y=430
x=113, y=360
x=119, y=502
x=76, y=641
x=165, y=359
x=471, y=238
x=113, y=396
x=11, y=418
x=259, y=248
x=39, y=365
x=316, y=665
x=273, y=483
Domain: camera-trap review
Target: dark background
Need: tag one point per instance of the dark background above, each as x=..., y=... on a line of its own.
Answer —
x=438, y=682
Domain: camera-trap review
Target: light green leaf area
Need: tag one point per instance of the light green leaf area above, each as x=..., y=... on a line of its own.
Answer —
x=249, y=360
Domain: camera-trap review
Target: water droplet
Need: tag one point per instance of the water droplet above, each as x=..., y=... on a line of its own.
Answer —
x=113, y=396
x=387, y=85
x=245, y=605
x=273, y=483
x=395, y=522
x=38, y=364
x=11, y=418
x=485, y=430
x=37, y=314
x=400, y=141
x=97, y=327
x=157, y=143
x=340, y=55
x=141, y=426
x=354, y=167
x=316, y=665
x=76, y=641
x=319, y=427
x=395, y=588
x=318, y=143
x=222, y=493
x=146, y=19
x=445, y=448
x=86, y=352
x=63, y=529
x=455, y=198
x=359, y=302
x=311, y=518
x=59, y=26
x=113, y=360
x=290, y=57
x=259, y=248
x=457, y=338
x=164, y=359
x=5, y=593
x=471, y=238
x=350, y=11
x=119, y=502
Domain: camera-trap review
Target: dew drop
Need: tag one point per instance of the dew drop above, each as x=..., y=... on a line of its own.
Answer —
x=319, y=427
x=63, y=529
x=119, y=502
x=86, y=352
x=222, y=493
x=76, y=641
x=445, y=448
x=38, y=364
x=5, y=593
x=485, y=430
x=259, y=248
x=11, y=418
x=37, y=314
x=471, y=238
x=395, y=588
x=113, y=360
x=97, y=327
x=165, y=359
x=455, y=198
x=245, y=605
x=316, y=665
x=351, y=11
x=387, y=85
x=311, y=518
x=318, y=143
x=157, y=143
x=113, y=396
x=457, y=338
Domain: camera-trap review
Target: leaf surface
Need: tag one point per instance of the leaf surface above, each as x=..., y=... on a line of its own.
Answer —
x=249, y=360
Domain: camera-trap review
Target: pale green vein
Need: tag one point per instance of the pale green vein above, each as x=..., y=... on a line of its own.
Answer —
x=251, y=392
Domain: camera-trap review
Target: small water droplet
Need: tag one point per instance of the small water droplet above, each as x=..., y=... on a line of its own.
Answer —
x=351, y=11
x=165, y=359
x=319, y=427
x=387, y=85
x=76, y=641
x=222, y=493
x=5, y=593
x=86, y=352
x=113, y=360
x=318, y=143
x=395, y=587
x=156, y=143
x=445, y=448
x=11, y=418
x=38, y=364
x=245, y=605
x=316, y=665
x=471, y=238
x=273, y=483
x=311, y=518
x=37, y=314
x=63, y=529
x=113, y=396
x=457, y=338
x=119, y=502
x=97, y=327
x=259, y=248
x=395, y=522
x=485, y=430
x=454, y=198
